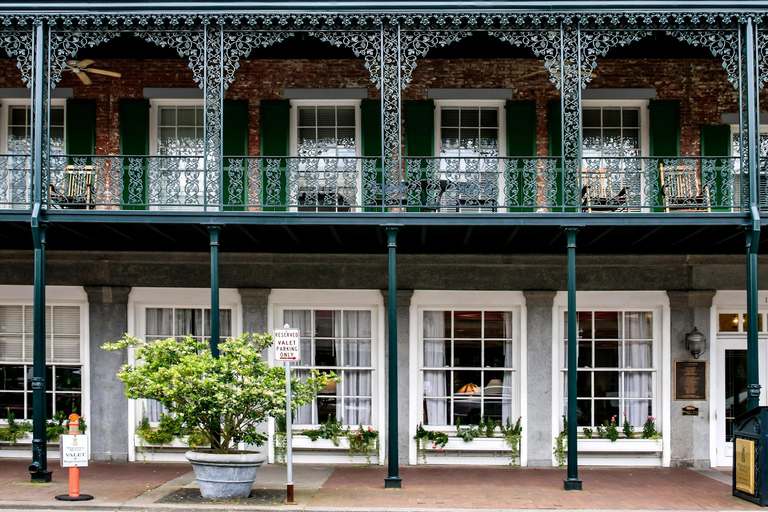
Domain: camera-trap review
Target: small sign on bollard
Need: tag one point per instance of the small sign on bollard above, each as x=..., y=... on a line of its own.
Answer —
x=74, y=454
x=287, y=349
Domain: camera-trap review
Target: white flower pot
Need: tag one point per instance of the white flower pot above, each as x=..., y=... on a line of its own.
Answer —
x=225, y=476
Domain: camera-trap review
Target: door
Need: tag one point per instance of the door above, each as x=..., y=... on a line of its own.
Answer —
x=731, y=399
x=731, y=394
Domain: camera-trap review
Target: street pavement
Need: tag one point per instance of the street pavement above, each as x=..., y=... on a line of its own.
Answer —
x=155, y=487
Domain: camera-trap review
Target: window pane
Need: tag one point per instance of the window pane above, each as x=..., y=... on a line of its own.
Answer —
x=437, y=353
x=168, y=116
x=611, y=117
x=13, y=402
x=189, y=322
x=357, y=352
x=326, y=116
x=585, y=324
x=605, y=410
x=11, y=319
x=327, y=324
x=728, y=322
x=495, y=354
x=467, y=324
x=631, y=117
x=584, y=384
x=436, y=383
x=326, y=409
x=436, y=411
x=638, y=353
x=66, y=320
x=607, y=325
x=68, y=402
x=19, y=116
x=357, y=411
x=186, y=116
x=159, y=322
x=11, y=349
x=345, y=116
x=637, y=384
x=489, y=117
x=638, y=411
x=357, y=324
x=306, y=116
x=66, y=349
x=325, y=353
x=68, y=378
x=466, y=353
x=299, y=319
x=583, y=413
x=607, y=354
x=466, y=410
x=470, y=117
x=450, y=117
x=590, y=117
x=585, y=353
x=12, y=378
x=437, y=324
x=466, y=382
x=356, y=383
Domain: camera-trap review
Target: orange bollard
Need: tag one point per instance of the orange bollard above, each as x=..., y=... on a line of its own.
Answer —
x=74, y=473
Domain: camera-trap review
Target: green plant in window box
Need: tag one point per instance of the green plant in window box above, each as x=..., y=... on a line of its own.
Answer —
x=15, y=430
x=488, y=426
x=512, y=435
x=423, y=437
x=467, y=433
x=627, y=428
x=609, y=430
x=59, y=425
x=587, y=433
x=649, y=429
x=559, y=449
x=167, y=430
x=364, y=441
x=331, y=430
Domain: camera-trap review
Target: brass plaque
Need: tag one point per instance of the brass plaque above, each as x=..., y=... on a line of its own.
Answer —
x=745, y=465
x=690, y=380
x=690, y=410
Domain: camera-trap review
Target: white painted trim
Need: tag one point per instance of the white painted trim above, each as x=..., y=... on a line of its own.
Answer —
x=370, y=300
x=22, y=295
x=482, y=300
x=655, y=301
x=141, y=298
x=5, y=106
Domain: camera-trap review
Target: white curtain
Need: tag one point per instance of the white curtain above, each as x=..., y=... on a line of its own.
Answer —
x=159, y=326
x=638, y=347
x=434, y=356
x=357, y=352
x=506, y=394
x=302, y=320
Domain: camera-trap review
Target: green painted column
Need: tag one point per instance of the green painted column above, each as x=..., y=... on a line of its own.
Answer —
x=393, y=480
x=213, y=232
x=572, y=481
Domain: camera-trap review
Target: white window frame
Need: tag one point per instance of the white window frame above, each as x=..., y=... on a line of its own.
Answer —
x=432, y=300
x=294, y=133
x=642, y=105
x=498, y=104
x=655, y=302
x=5, y=109
x=15, y=295
x=365, y=300
x=155, y=104
x=139, y=300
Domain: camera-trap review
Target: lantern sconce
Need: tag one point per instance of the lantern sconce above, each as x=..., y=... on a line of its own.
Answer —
x=695, y=343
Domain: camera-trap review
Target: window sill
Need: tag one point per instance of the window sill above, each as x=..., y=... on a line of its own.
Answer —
x=139, y=443
x=618, y=446
x=479, y=444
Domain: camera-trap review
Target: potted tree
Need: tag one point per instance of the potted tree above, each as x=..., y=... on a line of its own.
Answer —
x=224, y=399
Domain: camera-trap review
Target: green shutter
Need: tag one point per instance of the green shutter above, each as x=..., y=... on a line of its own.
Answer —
x=419, y=132
x=716, y=141
x=664, y=128
x=555, y=132
x=521, y=142
x=275, y=130
x=235, y=143
x=664, y=131
x=134, y=141
x=370, y=145
x=81, y=127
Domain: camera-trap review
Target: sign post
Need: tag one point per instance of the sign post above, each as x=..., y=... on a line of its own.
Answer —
x=287, y=349
x=74, y=455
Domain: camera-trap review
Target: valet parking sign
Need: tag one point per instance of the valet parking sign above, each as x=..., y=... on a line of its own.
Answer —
x=287, y=346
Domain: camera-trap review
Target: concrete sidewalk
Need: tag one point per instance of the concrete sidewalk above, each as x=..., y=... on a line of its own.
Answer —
x=320, y=488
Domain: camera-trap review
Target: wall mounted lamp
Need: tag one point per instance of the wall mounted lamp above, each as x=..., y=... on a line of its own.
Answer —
x=696, y=343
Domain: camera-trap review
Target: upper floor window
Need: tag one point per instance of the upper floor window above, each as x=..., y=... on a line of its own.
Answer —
x=469, y=131
x=180, y=130
x=611, y=131
x=18, y=129
x=326, y=130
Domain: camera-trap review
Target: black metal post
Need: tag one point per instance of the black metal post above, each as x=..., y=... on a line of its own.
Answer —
x=572, y=481
x=750, y=139
x=213, y=232
x=393, y=480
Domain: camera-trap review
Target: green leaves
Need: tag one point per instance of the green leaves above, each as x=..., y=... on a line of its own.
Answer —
x=239, y=388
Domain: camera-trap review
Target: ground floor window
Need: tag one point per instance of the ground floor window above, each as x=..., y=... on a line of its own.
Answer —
x=616, y=367
x=467, y=366
x=64, y=383
x=172, y=322
x=340, y=341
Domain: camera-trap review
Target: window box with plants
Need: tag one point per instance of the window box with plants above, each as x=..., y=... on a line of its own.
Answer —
x=331, y=435
x=19, y=432
x=611, y=438
x=487, y=436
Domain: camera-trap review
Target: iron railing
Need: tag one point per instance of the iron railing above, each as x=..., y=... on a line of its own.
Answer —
x=360, y=184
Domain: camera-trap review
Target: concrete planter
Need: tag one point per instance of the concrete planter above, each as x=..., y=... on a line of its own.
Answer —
x=225, y=476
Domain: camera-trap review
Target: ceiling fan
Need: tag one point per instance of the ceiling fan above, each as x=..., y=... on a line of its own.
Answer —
x=81, y=70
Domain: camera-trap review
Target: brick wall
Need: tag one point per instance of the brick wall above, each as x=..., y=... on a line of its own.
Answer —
x=700, y=85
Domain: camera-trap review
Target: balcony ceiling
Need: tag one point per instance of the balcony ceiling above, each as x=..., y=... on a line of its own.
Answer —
x=368, y=239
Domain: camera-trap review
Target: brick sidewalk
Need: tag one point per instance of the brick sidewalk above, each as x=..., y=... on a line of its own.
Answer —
x=137, y=486
x=472, y=487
